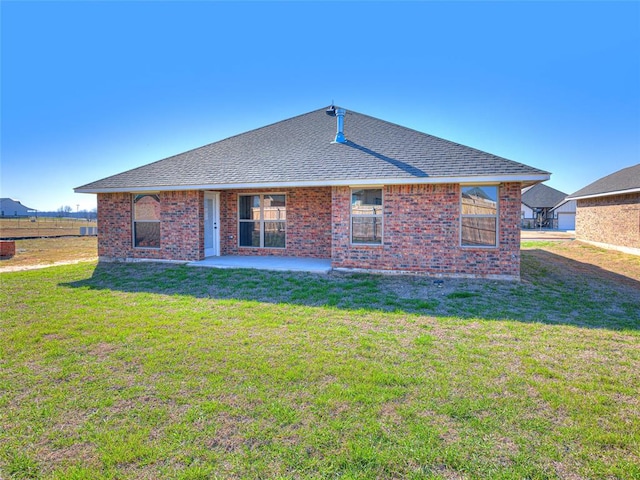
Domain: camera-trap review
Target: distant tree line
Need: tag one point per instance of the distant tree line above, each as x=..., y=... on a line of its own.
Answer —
x=65, y=211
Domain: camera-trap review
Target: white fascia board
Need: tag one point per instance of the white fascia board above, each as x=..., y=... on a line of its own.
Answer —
x=560, y=204
x=606, y=194
x=566, y=200
x=480, y=179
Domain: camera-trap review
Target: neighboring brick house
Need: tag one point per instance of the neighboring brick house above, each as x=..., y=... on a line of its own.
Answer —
x=608, y=211
x=363, y=192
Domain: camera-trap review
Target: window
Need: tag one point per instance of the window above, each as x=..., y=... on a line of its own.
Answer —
x=366, y=216
x=479, y=219
x=262, y=221
x=146, y=221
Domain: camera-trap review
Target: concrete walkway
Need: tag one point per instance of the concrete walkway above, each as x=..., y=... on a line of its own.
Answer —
x=287, y=264
x=526, y=234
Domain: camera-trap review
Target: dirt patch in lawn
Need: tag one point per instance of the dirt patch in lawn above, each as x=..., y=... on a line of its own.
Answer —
x=45, y=252
x=576, y=258
x=562, y=282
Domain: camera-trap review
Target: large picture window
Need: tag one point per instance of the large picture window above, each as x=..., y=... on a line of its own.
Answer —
x=479, y=219
x=366, y=216
x=262, y=221
x=146, y=221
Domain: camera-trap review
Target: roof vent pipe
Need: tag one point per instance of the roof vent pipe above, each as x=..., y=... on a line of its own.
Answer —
x=340, y=131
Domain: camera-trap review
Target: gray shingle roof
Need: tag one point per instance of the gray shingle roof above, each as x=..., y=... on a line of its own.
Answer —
x=300, y=151
x=542, y=196
x=627, y=179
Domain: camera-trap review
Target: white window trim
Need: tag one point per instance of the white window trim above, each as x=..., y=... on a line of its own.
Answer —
x=134, y=221
x=262, y=220
x=496, y=216
x=380, y=215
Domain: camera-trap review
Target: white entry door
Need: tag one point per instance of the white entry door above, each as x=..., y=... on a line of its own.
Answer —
x=211, y=221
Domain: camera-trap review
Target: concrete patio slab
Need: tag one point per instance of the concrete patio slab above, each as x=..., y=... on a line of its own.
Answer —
x=287, y=264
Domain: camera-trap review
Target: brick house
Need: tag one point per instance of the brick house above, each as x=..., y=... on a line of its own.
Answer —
x=608, y=211
x=365, y=193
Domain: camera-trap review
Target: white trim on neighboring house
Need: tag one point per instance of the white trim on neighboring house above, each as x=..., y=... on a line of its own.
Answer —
x=610, y=246
x=526, y=211
x=474, y=180
x=605, y=194
x=565, y=206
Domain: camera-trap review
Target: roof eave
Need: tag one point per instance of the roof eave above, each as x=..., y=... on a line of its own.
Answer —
x=604, y=194
x=471, y=179
x=566, y=200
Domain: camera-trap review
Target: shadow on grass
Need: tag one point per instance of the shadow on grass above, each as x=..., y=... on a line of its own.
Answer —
x=554, y=290
x=550, y=266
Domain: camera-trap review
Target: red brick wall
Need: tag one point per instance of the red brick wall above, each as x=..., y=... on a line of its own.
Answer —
x=181, y=227
x=308, y=223
x=422, y=233
x=613, y=220
x=7, y=248
x=421, y=230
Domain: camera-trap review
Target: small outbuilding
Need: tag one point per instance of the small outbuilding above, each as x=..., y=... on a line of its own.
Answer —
x=608, y=211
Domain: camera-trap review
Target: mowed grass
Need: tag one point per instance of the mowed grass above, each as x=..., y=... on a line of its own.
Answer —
x=155, y=371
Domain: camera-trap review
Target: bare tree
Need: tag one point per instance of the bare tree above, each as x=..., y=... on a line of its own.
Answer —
x=64, y=211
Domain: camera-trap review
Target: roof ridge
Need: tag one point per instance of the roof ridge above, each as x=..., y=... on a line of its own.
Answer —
x=541, y=195
x=298, y=149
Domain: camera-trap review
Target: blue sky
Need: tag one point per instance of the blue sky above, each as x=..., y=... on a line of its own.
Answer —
x=90, y=89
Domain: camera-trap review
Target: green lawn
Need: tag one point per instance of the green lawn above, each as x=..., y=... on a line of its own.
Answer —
x=155, y=371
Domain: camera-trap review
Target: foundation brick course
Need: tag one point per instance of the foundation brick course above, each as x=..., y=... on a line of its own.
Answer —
x=612, y=220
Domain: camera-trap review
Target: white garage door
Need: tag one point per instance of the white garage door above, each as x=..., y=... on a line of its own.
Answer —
x=567, y=221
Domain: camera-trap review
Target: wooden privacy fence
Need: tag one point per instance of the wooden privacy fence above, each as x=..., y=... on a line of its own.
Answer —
x=478, y=221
